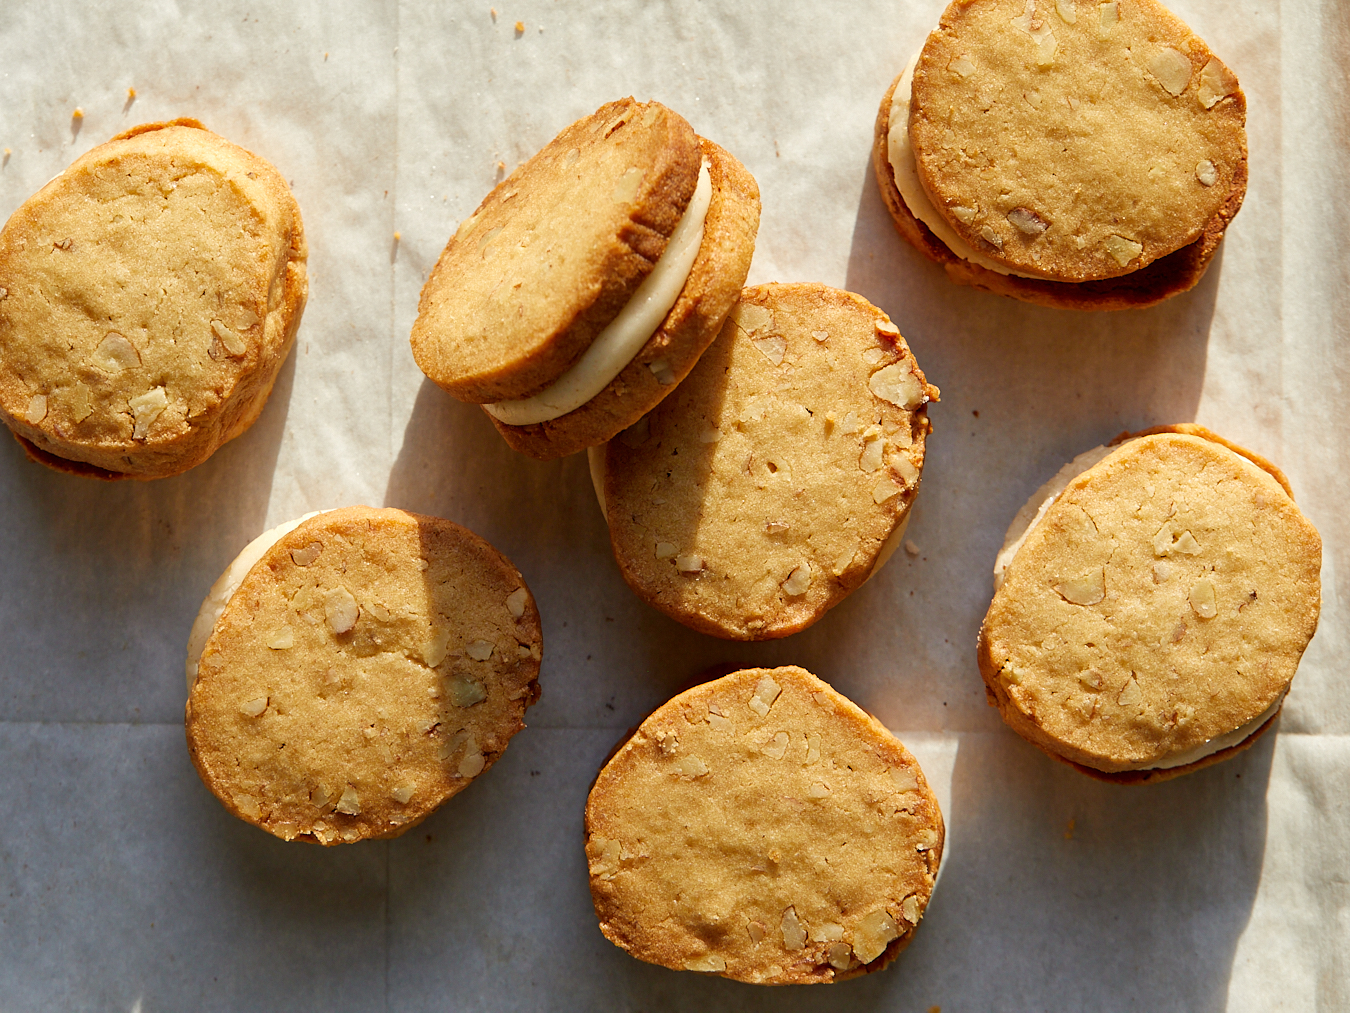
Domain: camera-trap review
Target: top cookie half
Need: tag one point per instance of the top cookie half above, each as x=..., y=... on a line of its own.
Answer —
x=1072, y=139
x=555, y=252
x=763, y=827
x=148, y=296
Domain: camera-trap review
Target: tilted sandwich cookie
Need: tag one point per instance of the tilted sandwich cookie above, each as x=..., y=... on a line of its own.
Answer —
x=1152, y=604
x=779, y=475
x=354, y=669
x=148, y=297
x=764, y=828
x=1071, y=153
x=590, y=280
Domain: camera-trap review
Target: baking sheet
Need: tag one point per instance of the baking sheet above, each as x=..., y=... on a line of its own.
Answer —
x=125, y=885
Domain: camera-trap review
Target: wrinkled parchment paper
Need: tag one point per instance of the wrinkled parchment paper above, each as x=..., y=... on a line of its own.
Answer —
x=125, y=886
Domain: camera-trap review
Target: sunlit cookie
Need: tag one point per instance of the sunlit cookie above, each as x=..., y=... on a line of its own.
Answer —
x=764, y=828
x=591, y=279
x=355, y=670
x=1072, y=153
x=148, y=297
x=779, y=475
x=1152, y=604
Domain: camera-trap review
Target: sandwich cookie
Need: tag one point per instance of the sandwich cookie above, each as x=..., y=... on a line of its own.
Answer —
x=148, y=297
x=1070, y=153
x=779, y=475
x=1152, y=604
x=764, y=828
x=588, y=283
x=353, y=670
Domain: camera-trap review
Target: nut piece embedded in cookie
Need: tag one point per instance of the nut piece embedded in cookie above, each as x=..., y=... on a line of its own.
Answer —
x=154, y=289
x=1153, y=612
x=805, y=849
x=346, y=691
x=774, y=480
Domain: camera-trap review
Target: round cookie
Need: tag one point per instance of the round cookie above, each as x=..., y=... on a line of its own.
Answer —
x=148, y=297
x=768, y=486
x=1066, y=139
x=369, y=666
x=764, y=828
x=1168, y=276
x=1016, y=161
x=528, y=293
x=1154, y=613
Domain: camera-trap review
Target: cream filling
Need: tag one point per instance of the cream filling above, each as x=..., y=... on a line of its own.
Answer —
x=1034, y=509
x=225, y=586
x=595, y=459
x=1032, y=513
x=901, y=155
x=1219, y=742
x=618, y=343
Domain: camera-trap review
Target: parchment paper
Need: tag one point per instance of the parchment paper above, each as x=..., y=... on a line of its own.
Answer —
x=124, y=885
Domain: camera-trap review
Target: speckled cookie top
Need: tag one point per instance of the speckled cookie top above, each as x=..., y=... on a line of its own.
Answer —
x=370, y=665
x=1164, y=599
x=554, y=252
x=1074, y=139
x=147, y=296
x=760, y=493
x=765, y=828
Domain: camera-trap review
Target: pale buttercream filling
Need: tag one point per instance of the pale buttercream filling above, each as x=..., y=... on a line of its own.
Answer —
x=901, y=155
x=1033, y=512
x=1035, y=508
x=623, y=338
x=223, y=590
x=595, y=459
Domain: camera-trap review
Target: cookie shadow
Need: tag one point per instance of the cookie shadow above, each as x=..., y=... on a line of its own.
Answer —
x=466, y=917
x=291, y=918
x=540, y=515
x=1024, y=389
x=120, y=555
x=1060, y=888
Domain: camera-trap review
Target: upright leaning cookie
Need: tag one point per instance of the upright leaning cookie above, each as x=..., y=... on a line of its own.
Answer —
x=1153, y=602
x=591, y=279
x=353, y=670
x=148, y=297
x=764, y=828
x=1071, y=153
x=779, y=475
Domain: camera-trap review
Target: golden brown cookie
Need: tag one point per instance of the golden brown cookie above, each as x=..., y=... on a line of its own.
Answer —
x=1168, y=276
x=714, y=282
x=1023, y=151
x=625, y=208
x=148, y=297
x=367, y=667
x=1153, y=613
x=767, y=487
x=764, y=828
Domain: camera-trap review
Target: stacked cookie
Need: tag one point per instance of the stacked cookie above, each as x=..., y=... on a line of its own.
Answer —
x=151, y=293
x=1075, y=154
